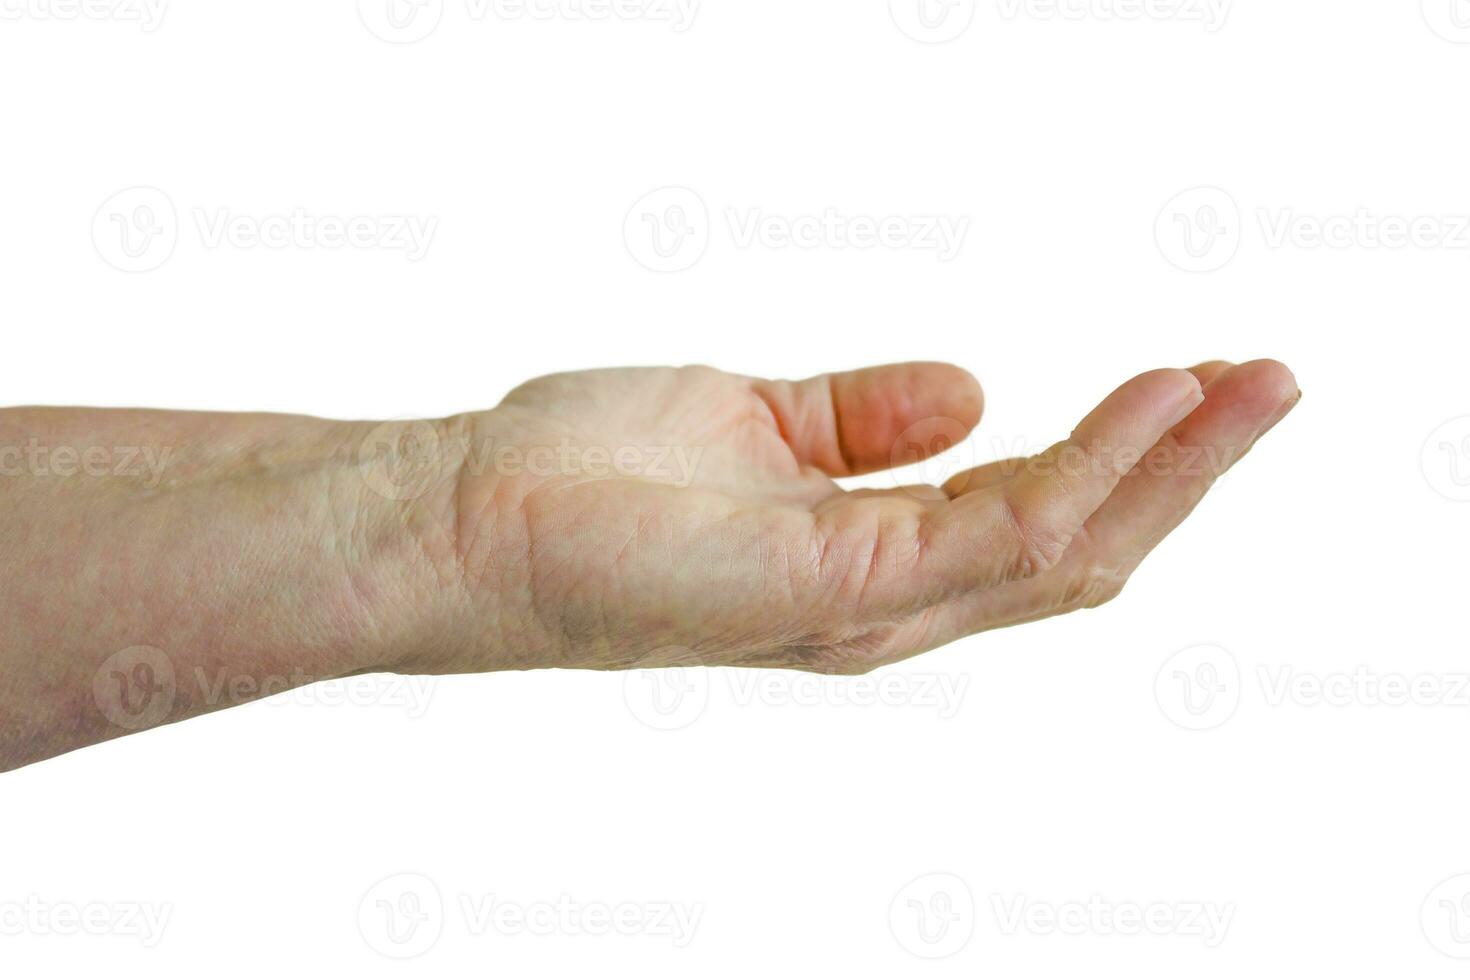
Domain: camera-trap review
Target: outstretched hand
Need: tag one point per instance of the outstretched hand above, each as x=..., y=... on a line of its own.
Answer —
x=653, y=517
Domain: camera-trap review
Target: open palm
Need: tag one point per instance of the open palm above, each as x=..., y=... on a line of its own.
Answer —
x=652, y=517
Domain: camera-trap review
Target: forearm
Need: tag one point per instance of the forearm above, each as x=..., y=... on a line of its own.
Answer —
x=160, y=565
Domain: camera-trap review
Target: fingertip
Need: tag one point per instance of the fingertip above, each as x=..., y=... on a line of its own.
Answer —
x=1208, y=371
x=1273, y=391
x=949, y=389
x=1182, y=380
x=1254, y=396
x=1168, y=394
x=1271, y=377
x=855, y=422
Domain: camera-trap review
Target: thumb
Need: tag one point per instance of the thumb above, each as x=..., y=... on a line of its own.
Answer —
x=853, y=422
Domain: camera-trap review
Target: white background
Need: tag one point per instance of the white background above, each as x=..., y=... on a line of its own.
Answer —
x=790, y=820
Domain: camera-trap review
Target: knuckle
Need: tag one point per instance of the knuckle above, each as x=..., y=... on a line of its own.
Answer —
x=1037, y=554
x=1093, y=587
x=1036, y=547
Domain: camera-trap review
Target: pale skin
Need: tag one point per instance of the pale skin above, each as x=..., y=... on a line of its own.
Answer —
x=163, y=564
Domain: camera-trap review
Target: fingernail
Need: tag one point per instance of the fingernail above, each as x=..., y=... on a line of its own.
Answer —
x=1281, y=413
x=1188, y=404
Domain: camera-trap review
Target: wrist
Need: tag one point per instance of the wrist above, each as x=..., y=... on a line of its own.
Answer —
x=420, y=491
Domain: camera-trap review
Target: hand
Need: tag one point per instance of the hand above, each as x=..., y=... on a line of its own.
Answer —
x=644, y=518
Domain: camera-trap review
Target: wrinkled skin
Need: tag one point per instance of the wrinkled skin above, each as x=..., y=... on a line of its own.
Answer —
x=762, y=559
x=605, y=519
